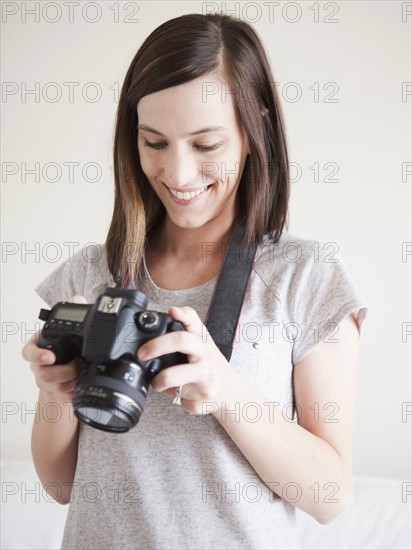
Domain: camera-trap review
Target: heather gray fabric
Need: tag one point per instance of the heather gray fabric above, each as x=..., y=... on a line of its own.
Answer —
x=177, y=481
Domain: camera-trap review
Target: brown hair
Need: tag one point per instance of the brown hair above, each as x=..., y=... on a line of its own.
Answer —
x=180, y=50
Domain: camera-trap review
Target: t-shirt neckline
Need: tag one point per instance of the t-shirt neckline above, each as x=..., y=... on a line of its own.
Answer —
x=163, y=291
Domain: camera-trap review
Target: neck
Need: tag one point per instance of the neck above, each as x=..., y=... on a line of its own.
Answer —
x=190, y=244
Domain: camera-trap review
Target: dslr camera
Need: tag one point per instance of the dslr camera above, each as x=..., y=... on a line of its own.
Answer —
x=111, y=391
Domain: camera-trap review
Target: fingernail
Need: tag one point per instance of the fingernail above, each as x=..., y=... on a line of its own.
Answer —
x=142, y=353
x=45, y=358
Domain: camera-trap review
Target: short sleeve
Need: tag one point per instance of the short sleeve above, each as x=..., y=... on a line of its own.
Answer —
x=322, y=296
x=85, y=273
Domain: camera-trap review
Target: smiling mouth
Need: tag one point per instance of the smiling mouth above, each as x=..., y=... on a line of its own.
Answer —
x=188, y=195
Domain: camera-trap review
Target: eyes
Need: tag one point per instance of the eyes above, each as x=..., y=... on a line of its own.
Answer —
x=162, y=145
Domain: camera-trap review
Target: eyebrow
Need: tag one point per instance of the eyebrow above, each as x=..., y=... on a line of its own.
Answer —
x=201, y=131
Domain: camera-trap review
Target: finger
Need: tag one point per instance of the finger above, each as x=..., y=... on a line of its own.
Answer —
x=170, y=392
x=192, y=392
x=179, y=375
x=49, y=376
x=32, y=353
x=27, y=348
x=189, y=319
x=182, y=341
x=77, y=299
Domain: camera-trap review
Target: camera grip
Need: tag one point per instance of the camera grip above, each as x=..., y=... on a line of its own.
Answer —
x=65, y=348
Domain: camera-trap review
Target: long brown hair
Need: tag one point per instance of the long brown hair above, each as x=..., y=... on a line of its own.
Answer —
x=180, y=50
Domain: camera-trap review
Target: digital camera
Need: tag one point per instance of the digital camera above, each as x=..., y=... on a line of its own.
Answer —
x=111, y=391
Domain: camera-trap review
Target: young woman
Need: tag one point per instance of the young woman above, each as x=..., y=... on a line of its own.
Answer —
x=200, y=146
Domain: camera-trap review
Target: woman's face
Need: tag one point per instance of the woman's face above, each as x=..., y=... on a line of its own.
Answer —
x=192, y=150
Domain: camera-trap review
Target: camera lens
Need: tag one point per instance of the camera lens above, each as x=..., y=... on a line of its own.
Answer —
x=119, y=418
x=110, y=419
x=112, y=396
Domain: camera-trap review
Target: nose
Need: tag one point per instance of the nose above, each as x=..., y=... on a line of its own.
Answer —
x=179, y=168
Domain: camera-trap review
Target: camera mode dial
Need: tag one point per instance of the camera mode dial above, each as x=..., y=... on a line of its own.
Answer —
x=148, y=321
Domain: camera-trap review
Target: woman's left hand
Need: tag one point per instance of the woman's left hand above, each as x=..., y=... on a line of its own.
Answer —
x=207, y=373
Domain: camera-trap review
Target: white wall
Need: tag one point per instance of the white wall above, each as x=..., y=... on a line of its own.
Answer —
x=366, y=133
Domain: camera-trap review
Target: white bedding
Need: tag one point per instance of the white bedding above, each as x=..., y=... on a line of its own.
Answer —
x=378, y=516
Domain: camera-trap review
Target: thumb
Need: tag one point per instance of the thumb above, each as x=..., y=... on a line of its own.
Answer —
x=78, y=299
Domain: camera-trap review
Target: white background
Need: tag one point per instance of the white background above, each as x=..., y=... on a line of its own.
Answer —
x=366, y=133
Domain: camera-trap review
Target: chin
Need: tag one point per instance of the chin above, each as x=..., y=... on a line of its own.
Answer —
x=187, y=223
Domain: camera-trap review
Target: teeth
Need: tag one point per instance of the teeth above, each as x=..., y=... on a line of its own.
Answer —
x=186, y=195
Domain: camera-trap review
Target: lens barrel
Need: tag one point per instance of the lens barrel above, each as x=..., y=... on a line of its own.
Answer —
x=111, y=396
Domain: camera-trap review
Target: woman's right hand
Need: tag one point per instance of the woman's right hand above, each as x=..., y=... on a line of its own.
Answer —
x=57, y=381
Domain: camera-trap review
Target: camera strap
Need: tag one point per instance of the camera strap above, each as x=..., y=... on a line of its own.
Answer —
x=230, y=291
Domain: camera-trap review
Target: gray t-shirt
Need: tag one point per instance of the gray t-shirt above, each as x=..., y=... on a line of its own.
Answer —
x=178, y=481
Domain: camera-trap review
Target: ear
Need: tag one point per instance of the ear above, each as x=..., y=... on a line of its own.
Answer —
x=246, y=144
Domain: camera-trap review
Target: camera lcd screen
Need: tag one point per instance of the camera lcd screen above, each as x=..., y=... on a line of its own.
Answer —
x=75, y=314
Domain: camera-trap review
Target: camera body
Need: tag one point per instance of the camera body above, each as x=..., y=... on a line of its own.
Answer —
x=110, y=393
